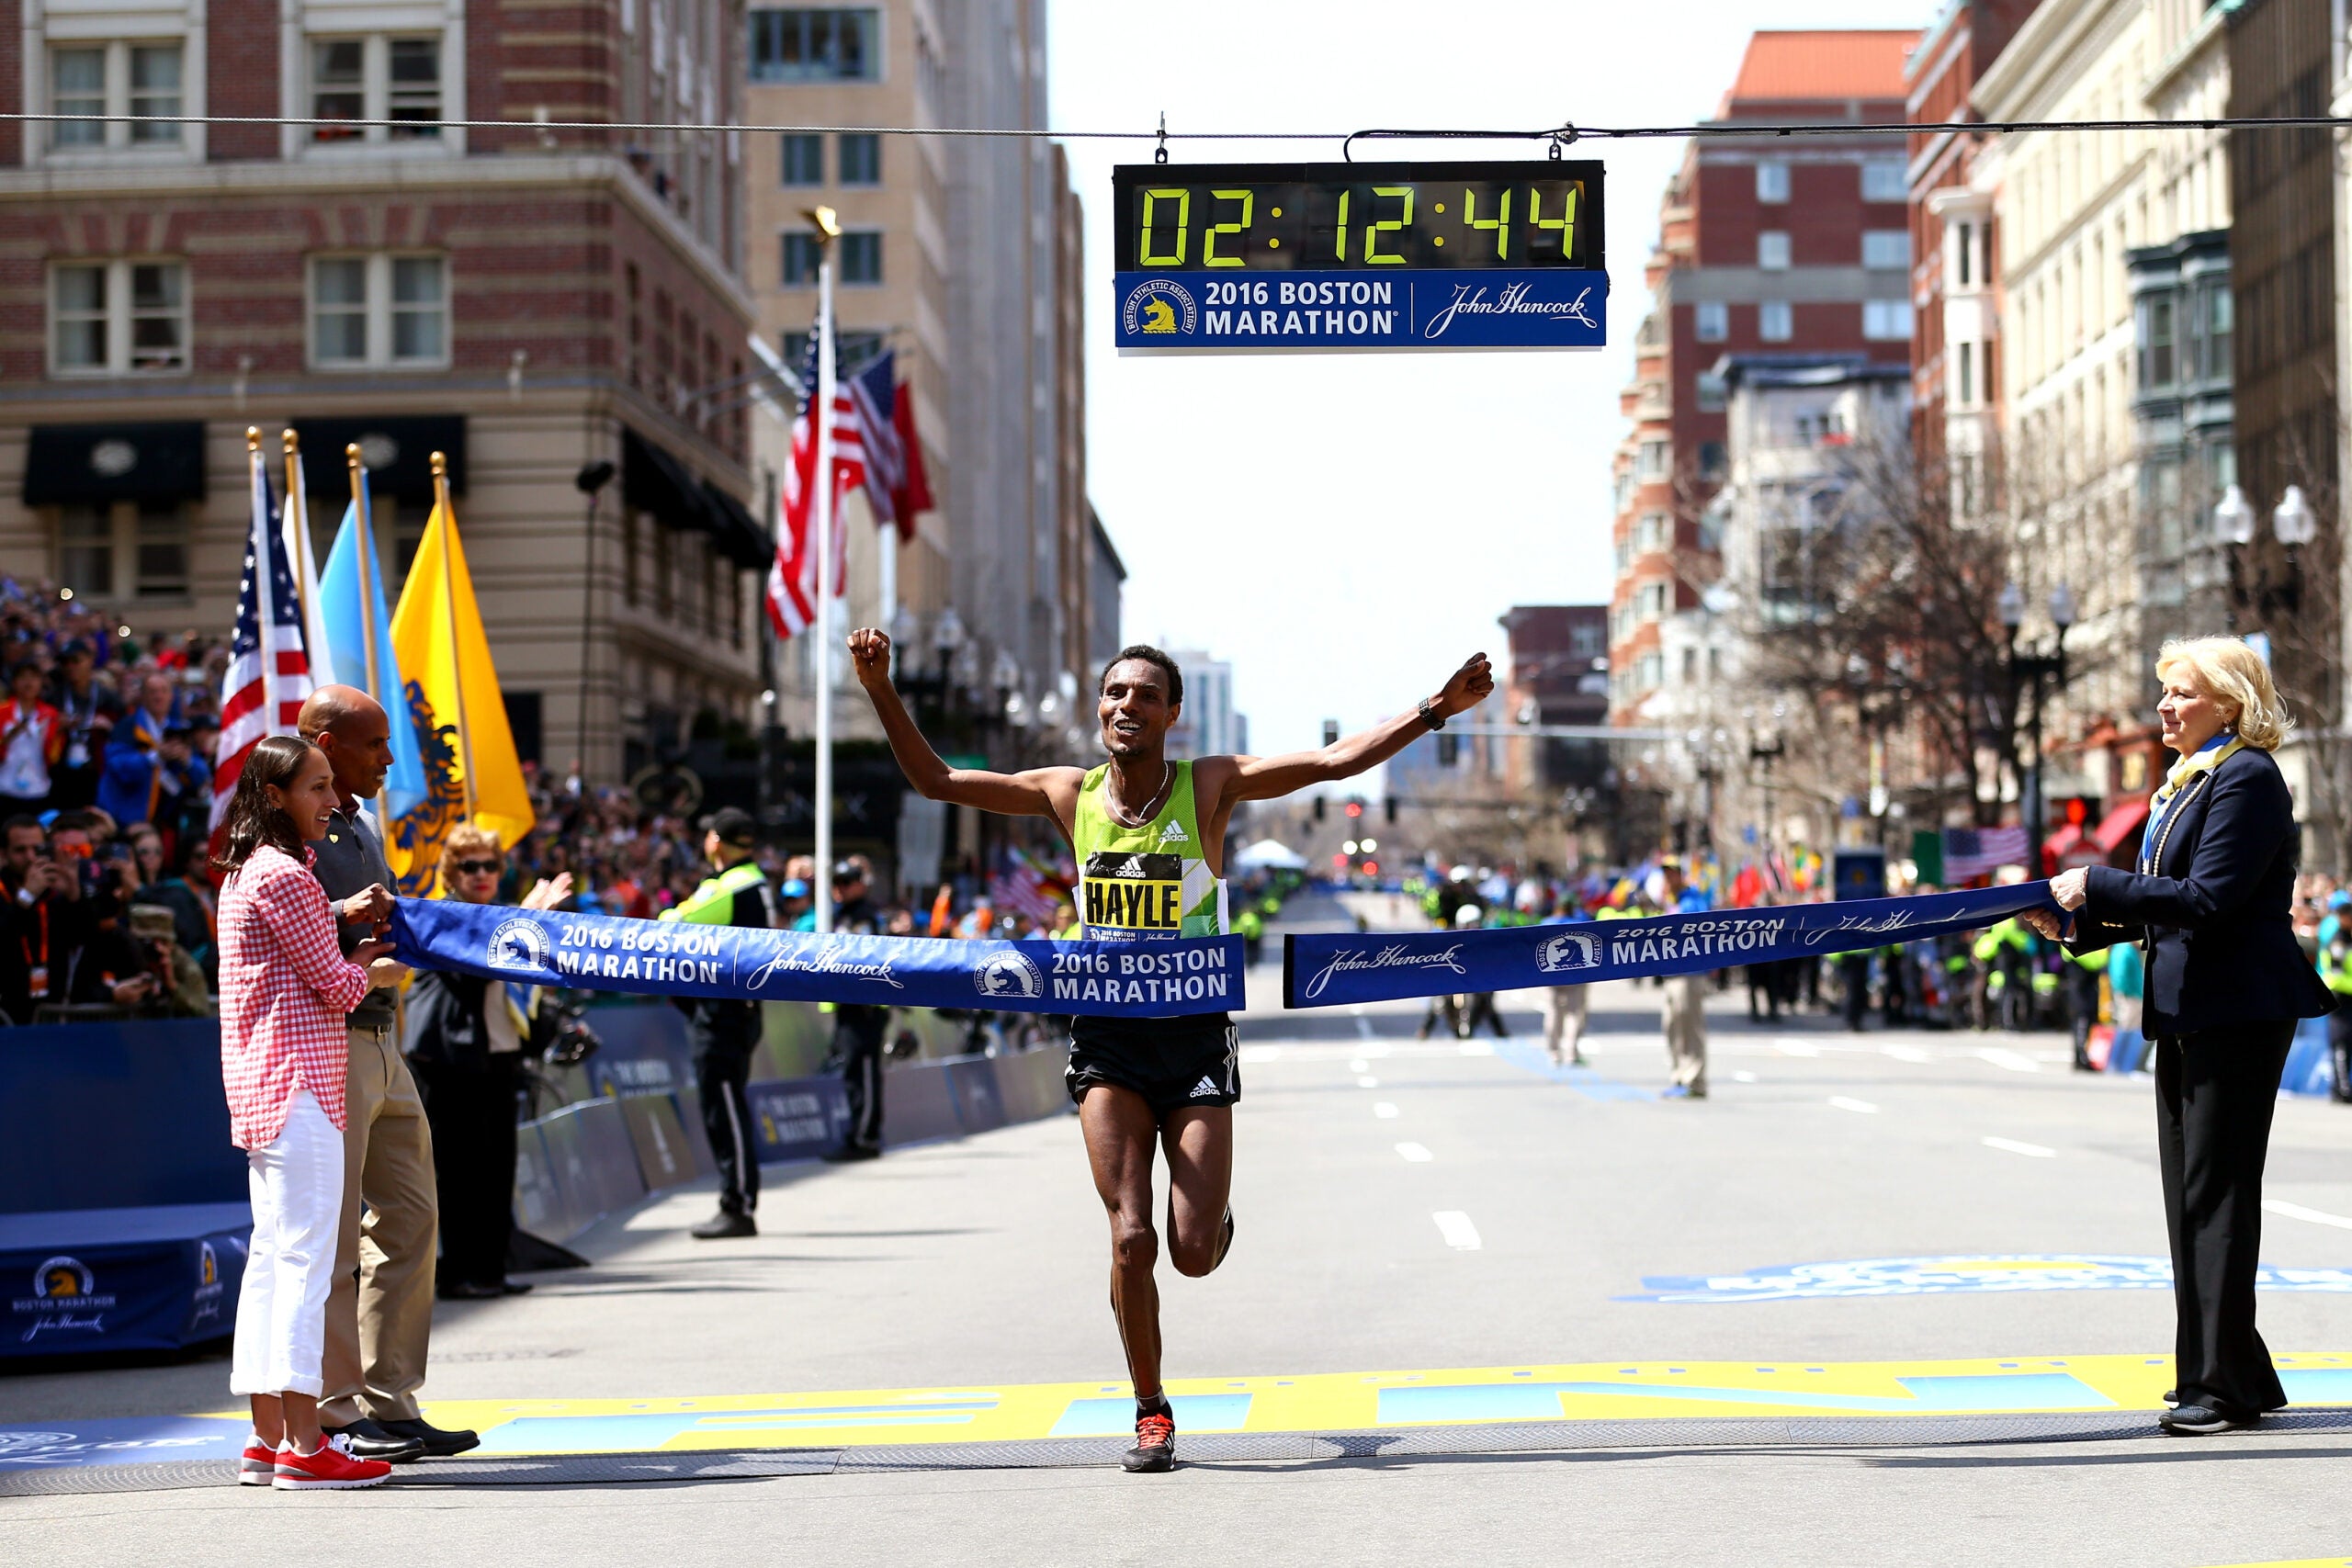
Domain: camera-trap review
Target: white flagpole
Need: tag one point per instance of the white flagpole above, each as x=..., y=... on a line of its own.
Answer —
x=822, y=629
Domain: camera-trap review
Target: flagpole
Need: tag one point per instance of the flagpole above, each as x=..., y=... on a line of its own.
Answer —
x=823, y=890
x=449, y=609
x=365, y=552
x=298, y=522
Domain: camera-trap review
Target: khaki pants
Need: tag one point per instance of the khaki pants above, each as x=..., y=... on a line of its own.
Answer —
x=379, y=1313
x=1564, y=1013
x=1685, y=1022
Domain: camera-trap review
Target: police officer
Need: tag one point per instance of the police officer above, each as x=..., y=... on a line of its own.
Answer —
x=858, y=1029
x=724, y=1032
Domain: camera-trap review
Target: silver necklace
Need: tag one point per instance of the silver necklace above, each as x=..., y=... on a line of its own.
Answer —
x=1151, y=807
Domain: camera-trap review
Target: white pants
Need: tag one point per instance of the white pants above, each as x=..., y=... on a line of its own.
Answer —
x=295, y=1182
x=1563, y=1015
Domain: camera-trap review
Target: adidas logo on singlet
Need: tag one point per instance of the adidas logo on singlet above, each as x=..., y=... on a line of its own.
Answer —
x=1173, y=833
x=1206, y=1089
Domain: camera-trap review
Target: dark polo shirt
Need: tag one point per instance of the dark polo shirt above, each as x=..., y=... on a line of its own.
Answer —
x=351, y=860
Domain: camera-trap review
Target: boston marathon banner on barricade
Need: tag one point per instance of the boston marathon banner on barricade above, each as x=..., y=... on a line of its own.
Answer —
x=674, y=958
x=1326, y=970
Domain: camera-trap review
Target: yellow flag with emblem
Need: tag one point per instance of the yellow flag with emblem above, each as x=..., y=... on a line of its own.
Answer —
x=471, y=772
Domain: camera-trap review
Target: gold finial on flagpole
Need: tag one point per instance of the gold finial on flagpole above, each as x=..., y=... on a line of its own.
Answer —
x=293, y=442
x=440, y=469
x=351, y=456
x=253, y=438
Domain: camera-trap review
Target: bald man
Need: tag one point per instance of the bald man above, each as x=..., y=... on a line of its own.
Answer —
x=380, y=1308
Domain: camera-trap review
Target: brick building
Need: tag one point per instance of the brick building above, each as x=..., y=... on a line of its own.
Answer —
x=530, y=301
x=1798, y=247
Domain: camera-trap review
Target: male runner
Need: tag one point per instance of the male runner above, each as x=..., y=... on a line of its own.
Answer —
x=1141, y=819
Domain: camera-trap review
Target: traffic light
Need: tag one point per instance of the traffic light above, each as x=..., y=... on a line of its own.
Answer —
x=1330, y=732
x=1389, y=805
x=1355, y=809
x=1319, y=808
x=1449, y=750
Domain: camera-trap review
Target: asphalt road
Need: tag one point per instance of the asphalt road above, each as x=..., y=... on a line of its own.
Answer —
x=1401, y=1204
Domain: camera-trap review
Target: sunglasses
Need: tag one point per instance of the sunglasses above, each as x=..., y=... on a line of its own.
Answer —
x=479, y=867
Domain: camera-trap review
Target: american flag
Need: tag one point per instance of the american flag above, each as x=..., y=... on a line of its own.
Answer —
x=870, y=450
x=1022, y=885
x=269, y=675
x=1980, y=851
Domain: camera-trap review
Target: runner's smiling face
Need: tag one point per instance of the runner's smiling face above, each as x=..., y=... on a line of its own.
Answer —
x=1134, y=710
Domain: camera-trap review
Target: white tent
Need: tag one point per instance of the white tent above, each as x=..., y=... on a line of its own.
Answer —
x=1268, y=855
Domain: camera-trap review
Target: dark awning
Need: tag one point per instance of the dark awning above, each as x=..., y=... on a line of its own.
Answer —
x=744, y=541
x=652, y=480
x=397, y=448
x=67, y=464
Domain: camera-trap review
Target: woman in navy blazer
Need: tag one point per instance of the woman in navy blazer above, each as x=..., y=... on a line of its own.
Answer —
x=2226, y=985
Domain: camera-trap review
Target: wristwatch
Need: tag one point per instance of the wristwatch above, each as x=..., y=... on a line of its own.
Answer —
x=1429, y=716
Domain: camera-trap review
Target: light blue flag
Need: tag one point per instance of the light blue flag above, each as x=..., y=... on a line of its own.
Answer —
x=340, y=597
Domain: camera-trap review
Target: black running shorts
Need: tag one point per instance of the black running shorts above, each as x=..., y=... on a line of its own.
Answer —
x=1172, y=1061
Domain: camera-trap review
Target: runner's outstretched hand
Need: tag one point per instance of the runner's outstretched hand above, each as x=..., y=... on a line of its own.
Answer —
x=1471, y=685
x=870, y=648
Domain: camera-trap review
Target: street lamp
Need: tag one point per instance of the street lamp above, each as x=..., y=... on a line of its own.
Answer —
x=2233, y=518
x=2292, y=520
x=2033, y=668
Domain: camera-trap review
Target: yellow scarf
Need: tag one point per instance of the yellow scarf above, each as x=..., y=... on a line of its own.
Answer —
x=2188, y=767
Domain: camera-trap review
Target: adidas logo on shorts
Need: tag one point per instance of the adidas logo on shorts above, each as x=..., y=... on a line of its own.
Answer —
x=1206, y=1089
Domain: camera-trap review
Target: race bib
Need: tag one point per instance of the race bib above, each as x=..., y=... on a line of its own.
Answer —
x=1142, y=895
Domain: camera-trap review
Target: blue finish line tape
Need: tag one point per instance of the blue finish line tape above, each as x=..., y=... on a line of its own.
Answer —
x=674, y=958
x=1329, y=969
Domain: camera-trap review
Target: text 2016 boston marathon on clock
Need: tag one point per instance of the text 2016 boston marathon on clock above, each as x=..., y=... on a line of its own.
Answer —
x=1273, y=258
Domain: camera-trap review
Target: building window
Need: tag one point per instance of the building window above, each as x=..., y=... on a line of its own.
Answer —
x=138, y=80
x=1885, y=179
x=1964, y=254
x=1886, y=250
x=2219, y=323
x=1887, y=320
x=811, y=44
x=161, y=560
x=86, y=551
x=118, y=317
x=1775, y=322
x=1710, y=460
x=1966, y=365
x=2155, y=343
x=97, y=542
x=1773, y=250
x=861, y=158
x=1772, y=181
x=861, y=256
x=376, y=77
x=1711, y=320
x=804, y=158
x=378, y=311
x=1652, y=463
x=800, y=255
x=1713, y=394
x=856, y=350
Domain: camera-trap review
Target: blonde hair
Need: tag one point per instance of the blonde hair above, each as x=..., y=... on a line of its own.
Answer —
x=465, y=839
x=2233, y=674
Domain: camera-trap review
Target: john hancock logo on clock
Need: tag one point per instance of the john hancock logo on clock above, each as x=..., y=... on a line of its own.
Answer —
x=1152, y=308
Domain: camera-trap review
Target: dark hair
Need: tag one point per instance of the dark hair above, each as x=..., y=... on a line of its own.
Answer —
x=253, y=821
x=21, y=666
x=74, y=822
x=21, y=820
x=1150, y=655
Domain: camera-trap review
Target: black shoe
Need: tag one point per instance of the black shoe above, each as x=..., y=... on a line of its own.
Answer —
x=468, y=1290
x=438, y=1443
x=370, y=1439
x=1155, y=1448
x=514, y=1287
x=851, y=1152
x=2201, y=1420
x=723, y=1225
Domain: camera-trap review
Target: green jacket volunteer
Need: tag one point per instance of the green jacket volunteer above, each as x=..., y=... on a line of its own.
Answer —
x=723, y=1031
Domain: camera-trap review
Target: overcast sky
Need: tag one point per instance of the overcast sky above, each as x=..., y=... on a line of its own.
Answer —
x=1345, y=528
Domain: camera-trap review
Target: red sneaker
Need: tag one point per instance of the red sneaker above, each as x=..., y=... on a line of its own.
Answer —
x=257, y=1464
x=1155, y=1448
x=332, y=1468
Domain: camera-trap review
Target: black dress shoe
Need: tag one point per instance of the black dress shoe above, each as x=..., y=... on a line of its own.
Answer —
x=514, y=1287
x=370, y=1439
x=2201, y=1421
x=849, y=1152
x=723, y=1225
x=468, y=1290
x=432, y=1439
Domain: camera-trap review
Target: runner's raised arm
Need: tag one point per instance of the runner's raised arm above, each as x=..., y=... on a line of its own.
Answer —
x=1037, y=792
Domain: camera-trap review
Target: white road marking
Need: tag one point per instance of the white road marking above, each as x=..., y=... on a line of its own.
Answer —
x=1477, y=1048
x=1742, y=1077
x=1787, y=1047
x=1385, y=1110
x=1848, y=1102
x=1455, y=1227
x=1256, y=1053
x=1907, y=1054
x=1367, y=1083
x=1359, y=1066
x=1414, y=1154
x=2016, y=1060
x=2296, y=1212
x=2031, y=1151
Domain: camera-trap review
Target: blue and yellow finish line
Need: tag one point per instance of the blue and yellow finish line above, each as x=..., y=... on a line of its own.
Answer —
x=1600, y=1391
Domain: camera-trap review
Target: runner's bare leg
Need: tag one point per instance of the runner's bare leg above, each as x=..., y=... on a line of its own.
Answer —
x=1199, y=1141
x=1120, y=1129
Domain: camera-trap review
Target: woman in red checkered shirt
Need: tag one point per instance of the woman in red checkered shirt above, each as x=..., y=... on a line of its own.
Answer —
x=284, y=990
